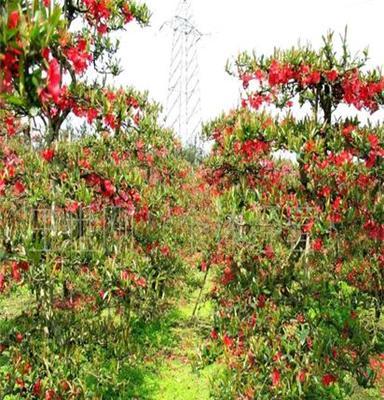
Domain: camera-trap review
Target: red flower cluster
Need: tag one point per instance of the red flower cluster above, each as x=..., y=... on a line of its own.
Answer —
x=375, y=230
x=98, y=14
x=251, y=148
x=10, y=125
x=360, y=93
x=127, y=275
x=48, y=154
x=79, y=56
x=9, y=67
x=280, y=74
x=15, y=273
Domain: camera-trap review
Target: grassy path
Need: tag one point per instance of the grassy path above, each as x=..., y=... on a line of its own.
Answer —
x=177, y=378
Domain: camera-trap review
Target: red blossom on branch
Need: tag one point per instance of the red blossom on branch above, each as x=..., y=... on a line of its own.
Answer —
x=13, y=19
x=54, y=79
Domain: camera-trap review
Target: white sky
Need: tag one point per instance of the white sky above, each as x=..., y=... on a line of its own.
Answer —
x=238, y=25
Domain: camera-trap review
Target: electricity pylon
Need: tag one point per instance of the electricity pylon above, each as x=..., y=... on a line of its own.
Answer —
x=183, y=109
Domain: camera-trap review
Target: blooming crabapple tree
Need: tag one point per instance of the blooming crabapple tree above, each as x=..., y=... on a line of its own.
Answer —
x=300, y=265
x=46, y=49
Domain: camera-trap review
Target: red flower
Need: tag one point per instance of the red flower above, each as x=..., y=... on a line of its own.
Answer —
x=102, y=28
x=79, y=57
x=246, y=78
x=277, y=356
x=373, y=140
x=2, y=187
x=228, y=276
x=317, y=244
x=132, y=102
x=269, y=253
x=16, y=275
x=128, y=16
x=314, y=78
x=20, y=383
x=50, y=394
x=214, y=335
x=301, y=376
x=328, y=379
x=2, y=282
x=142, y=214
x=165, y=251
x=23, y=265
x=108, y=188
x=92, y=114
x=10, y=124
x=308, y=226
x=19, y=337
x=347, y=130
x=13, y=19
x=203, y=266
x=227, y=341
x=48, y=154
x=18, y=188
x=261, y=301
x=110, y=120
x=141, y=282
x=125, y=275
x=37, y=388
x=300, y=318
x=332, y=75
x=64, y=386
x=275, y=376
x=45, y=53
x=54, y=78
x=72, y=207
x=279, y=74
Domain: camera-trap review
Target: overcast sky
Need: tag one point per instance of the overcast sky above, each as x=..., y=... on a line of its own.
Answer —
x=234, y=26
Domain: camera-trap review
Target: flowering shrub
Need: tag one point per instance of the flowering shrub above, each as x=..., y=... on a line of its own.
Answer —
x=44, y=60
x=299, y=268
x=89, y=228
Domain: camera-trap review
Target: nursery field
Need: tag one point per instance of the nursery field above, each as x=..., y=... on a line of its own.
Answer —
x=135, y=267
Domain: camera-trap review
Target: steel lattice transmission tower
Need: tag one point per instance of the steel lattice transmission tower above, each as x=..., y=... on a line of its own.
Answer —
x=183, y=101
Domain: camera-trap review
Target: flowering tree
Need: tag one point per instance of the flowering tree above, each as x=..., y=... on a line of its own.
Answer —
x=300, y=267
x=88, y=228
x=46, y=50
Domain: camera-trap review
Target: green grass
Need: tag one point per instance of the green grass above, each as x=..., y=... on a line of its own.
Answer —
x=178, y=381
x=159, y=363
x=162, y=362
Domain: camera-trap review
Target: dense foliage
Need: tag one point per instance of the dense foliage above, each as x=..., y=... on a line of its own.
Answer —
x=300, y=265
x=89, y=228
x=98, y=233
